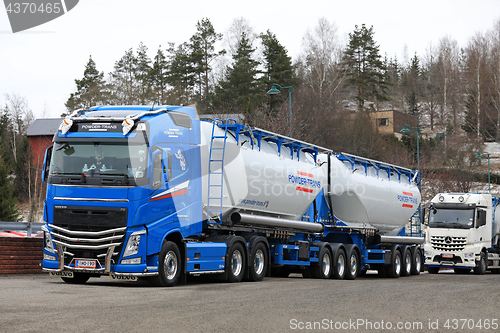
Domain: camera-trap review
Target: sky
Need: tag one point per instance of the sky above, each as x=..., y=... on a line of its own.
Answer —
x=42, y=63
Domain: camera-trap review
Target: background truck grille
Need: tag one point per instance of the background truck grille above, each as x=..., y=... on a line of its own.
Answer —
x=88, y=232
x=447, y=243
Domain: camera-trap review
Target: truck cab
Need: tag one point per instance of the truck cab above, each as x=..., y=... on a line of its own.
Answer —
x=119, y=181
x=460, y=233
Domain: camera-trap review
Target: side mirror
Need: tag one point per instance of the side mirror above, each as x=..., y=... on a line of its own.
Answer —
x=157, y=170
x=168, y=167
x=481, y=218
x=423, y=216
x=46, y=163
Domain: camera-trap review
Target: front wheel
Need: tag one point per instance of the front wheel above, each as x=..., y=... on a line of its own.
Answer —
x=481, y=265
x=170, y=266
x=235, y=262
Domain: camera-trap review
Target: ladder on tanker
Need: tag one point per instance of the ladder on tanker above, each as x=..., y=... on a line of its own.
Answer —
x=216, y=173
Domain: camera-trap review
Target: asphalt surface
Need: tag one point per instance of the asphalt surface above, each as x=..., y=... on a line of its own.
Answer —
x=445, y=302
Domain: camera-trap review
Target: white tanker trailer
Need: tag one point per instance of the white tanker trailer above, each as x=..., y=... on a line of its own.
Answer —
x=134, y=191
x=272, y=181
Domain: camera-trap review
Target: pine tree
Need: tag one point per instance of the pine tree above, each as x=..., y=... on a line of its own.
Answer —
x=202, y=45
x=124, y=79
x=366, y=71
x=277, y=63
x=241, y=91
x=143, y=75
x=412, y=84
x=22, y=169
x=181, y=74
x=159, y=78
x=90, y=90
x=8, y=211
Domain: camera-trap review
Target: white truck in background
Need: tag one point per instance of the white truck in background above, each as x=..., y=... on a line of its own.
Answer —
x=462, y=234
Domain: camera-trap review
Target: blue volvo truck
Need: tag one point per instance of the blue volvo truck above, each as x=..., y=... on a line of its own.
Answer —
x=158, y=193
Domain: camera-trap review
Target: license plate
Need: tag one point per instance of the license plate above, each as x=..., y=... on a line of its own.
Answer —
x=65, y=274
x=447, y=255
x=115, y=277
x=85, y=263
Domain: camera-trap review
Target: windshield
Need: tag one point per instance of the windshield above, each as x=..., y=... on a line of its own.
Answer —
x=451, y=218
x=98, y=159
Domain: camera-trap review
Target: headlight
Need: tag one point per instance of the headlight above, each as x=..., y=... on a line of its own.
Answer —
x=469, y=255
x=133, y=243
x=134, y=261
x=48, y=257
x=49, y=246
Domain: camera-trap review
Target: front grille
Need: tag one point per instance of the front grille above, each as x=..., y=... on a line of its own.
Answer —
x=447, y=243
x=89, y=232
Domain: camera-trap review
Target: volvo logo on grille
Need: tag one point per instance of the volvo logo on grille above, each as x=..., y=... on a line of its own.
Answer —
x=447, y=240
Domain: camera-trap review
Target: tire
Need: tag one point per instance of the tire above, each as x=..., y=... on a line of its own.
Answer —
x=339, y=264
x=407, y=263
x=416, y=268
x=169, y=270
x=258, y=262
x=433, y=270
x=394, y=269
x=323, y=269
x=235, y=262
x=78, y=278
x=481, y=265
x=353, y=265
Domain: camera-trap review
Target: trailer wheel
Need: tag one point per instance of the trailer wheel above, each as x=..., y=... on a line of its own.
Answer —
x=235, y=262
x=394, y=269
x=169, y=269
x=323, y=269
x=417, y=261
x=258, y=262
x=354, y=265
x=339, y=264
x=407, y=262
x=482, y=265
x=78, y=278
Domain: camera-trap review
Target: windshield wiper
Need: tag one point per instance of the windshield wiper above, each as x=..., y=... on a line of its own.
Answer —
x=82, y=178
x=459, y=225
x=438, y=224
x=117, y=174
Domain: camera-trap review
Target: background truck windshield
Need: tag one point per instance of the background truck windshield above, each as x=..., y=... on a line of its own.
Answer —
x=451, y=218
x=96, y=159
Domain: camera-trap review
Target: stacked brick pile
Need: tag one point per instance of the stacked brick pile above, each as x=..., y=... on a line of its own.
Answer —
x=20, y=255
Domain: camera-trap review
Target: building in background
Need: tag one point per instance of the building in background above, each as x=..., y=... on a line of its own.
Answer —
x=40, y=135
